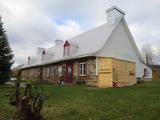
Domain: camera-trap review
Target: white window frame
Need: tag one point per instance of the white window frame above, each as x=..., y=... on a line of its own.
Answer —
x=82, y=68
x=60, y=70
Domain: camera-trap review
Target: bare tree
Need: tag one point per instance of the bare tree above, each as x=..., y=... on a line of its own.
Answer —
x=157, y=55
x=148, y=54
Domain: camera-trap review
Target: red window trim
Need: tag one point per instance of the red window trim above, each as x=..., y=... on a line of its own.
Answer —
x=66, y=44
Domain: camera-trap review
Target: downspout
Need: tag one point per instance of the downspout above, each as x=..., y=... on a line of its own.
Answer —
x=97, y=66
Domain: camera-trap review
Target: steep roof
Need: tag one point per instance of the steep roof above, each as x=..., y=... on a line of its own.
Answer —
x=87, y=43
x=94, y=39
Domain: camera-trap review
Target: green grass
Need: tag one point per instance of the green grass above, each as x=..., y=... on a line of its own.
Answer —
x=6, y=111
x=139, y=102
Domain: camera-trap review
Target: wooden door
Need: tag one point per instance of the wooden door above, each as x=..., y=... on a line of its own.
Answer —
x=69, y=73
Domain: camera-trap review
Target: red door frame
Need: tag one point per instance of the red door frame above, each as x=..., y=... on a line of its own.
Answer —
x=67, y=77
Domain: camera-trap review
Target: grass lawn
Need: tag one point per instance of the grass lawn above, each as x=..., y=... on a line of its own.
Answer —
x=139, y=102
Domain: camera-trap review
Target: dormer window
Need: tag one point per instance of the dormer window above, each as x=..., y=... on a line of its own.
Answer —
x=29, y=58
x=66, y=51
x=145, y=73
x=43, y=55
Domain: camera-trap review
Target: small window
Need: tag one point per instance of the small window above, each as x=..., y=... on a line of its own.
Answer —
x=145, y=73
x=53, y=68
x=66, y=51
x=82, y=69
x=36, y=73
x=47, y=72
x=59, y=70
x=54, y=71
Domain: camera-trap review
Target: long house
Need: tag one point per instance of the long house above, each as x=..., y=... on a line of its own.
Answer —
x=105, y=56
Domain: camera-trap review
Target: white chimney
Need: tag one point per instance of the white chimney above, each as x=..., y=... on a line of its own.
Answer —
x=114, y=13
x=58, y=42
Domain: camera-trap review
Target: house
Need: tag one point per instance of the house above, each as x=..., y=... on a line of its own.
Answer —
x=156, y=72
x=105, y=56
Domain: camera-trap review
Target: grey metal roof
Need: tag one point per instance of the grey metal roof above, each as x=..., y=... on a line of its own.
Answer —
x=88, y=43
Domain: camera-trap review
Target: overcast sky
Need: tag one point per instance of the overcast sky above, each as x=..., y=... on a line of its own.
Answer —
x=37, y=23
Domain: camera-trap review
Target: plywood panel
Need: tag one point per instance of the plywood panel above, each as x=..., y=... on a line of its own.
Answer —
x=114, y=70
x=105, y=72
x=125, y=71
x=156, y=72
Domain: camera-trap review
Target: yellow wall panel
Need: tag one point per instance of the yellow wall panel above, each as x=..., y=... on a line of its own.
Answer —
x=118, y=71
x=105, y=72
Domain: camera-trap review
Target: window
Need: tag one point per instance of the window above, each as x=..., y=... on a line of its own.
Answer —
x=82, y=69
x=66, y=51
x=54, y=71
x=145, y=73
x=47, y=72
x=59, y=70
x=36, y=72
x=43, y=56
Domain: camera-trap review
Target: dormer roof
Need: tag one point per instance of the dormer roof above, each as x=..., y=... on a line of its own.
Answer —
x=66, y=44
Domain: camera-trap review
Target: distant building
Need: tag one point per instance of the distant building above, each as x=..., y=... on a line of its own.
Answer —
x=105, y=56
x=156, y=72
x=16, y=70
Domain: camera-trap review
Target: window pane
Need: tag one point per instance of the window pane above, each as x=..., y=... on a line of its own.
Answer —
x=84, y=69
x=59, y=70
x=68, y=51
x=145, y=73
x=81, y=69
x=47, y=71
